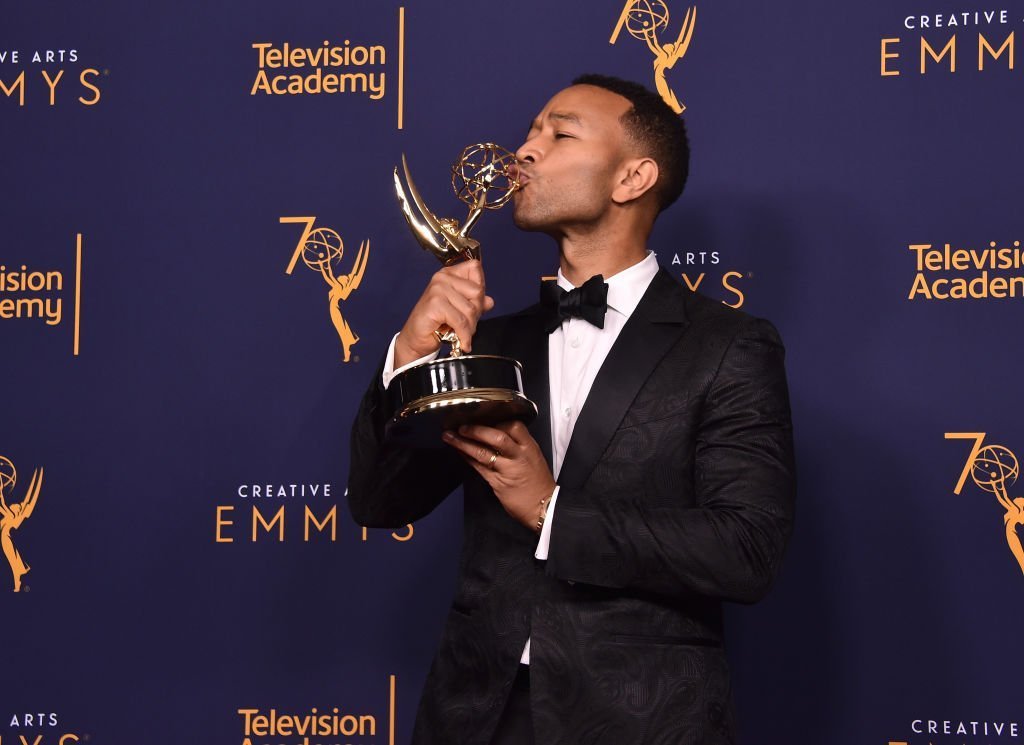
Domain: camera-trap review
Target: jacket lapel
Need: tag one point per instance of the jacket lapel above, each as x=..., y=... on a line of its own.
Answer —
x=526, y=340
x=651, y=330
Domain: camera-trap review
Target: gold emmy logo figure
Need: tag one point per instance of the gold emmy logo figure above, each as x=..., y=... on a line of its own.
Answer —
x=994, y=468
x=322, y=250
x=643, y=20
x=11, y=517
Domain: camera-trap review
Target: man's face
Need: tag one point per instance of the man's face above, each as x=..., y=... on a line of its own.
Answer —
x=571, y=160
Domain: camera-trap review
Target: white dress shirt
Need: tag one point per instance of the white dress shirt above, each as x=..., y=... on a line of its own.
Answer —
x=576, y=351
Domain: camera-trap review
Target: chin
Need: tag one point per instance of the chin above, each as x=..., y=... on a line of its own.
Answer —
x=528, y=220
x=523, y=221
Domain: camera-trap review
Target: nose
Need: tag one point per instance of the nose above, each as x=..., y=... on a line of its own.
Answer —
x=527, y=152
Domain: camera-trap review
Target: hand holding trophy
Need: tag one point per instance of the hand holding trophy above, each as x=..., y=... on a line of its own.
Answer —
x=460, y=389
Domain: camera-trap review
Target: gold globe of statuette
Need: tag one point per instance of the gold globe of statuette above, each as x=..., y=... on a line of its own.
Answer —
x=322, y=249
x=8, y=474
x=481, y=176
x=646, y=16
x=994, y=468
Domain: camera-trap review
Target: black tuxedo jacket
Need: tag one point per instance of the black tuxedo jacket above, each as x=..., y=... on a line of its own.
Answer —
x=676, y=493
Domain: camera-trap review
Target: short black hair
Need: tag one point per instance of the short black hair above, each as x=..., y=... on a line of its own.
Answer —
x=656, y=129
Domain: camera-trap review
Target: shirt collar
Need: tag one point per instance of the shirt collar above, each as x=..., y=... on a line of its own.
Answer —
x=627, y=287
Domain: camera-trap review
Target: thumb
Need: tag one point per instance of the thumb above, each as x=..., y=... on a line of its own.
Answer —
x=472, y=269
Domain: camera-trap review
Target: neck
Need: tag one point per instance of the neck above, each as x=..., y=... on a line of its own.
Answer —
x=607, y=254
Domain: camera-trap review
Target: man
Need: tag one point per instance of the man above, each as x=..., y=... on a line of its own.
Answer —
x=656, y=482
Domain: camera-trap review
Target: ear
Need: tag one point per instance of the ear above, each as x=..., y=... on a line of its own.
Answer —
x=639, y=176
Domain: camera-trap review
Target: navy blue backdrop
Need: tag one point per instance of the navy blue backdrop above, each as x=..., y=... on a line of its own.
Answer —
x=164, y=371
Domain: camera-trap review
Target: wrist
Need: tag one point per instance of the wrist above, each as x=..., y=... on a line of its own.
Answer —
x=405, y=353
x=542, y=514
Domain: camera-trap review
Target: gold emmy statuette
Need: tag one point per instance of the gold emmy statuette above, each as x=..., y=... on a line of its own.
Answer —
x=459, y=389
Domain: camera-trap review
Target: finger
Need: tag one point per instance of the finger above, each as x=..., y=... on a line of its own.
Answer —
x=492, y=437
x=516, y=430
x=466, y=284
x=471, y=305
x=443, y=310
x=488, y=303
x=435, y=308
x=472, y=269
x=472, y=291
x=479, y=452
x=466, y=308
x=461, y=324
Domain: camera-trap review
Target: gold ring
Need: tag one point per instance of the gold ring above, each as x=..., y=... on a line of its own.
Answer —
x=494, y=457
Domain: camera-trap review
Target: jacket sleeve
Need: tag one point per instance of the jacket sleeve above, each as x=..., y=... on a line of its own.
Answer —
x=388, y=486
x=729, y=543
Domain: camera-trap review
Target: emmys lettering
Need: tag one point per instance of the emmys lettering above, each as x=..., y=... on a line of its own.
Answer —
x=322, y=250
x=944, y=43
x=645, y=20
x=272, y=515
x=328, y=68
x=994, y=469
x=696, y=280
x=52, y=82
x=967, y=273
x=13, y=514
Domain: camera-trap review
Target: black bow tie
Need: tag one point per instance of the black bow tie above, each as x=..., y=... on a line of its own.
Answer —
x=589, y=301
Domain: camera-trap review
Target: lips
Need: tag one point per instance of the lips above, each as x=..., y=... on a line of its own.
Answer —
x=516, y=173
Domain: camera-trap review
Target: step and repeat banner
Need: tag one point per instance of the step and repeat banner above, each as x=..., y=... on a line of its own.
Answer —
x=202, y=263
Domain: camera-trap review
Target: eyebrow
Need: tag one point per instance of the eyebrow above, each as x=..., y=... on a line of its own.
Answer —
x=566, y=116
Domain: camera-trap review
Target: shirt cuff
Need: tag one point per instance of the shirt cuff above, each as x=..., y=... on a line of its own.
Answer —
x=545, y=533
x=389, y=363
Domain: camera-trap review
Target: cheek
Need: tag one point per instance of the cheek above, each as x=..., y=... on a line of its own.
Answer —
x=581, y=190
x=589, y=184
x=598, y=172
